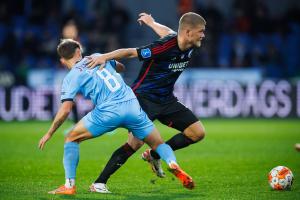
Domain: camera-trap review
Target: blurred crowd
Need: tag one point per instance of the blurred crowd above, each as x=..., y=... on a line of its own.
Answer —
x=249, y=37
x=31, y=29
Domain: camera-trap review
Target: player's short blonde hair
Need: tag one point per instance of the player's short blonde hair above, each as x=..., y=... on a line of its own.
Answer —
x=190, y=20
x=67, y=47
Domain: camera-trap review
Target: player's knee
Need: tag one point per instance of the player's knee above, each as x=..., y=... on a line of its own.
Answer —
x=75, y=137
x=71, y=139
x=196, y=133
x=135, y=144
x=199, y=135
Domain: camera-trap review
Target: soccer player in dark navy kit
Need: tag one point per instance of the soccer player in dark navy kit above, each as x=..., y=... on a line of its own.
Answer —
x=164, y=60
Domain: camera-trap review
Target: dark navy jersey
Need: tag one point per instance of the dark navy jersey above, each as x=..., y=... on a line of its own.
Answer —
x=163, y=63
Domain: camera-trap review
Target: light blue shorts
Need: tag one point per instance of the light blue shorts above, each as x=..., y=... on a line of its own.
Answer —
x=128, y=114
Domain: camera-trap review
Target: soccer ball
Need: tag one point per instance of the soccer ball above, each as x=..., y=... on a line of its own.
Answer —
x=281, y=178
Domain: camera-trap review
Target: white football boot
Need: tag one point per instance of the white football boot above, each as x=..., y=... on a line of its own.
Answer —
x=99, y=188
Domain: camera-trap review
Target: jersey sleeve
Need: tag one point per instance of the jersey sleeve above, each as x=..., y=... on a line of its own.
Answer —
x=113, y=63
x=70, y=87
x=156, y=49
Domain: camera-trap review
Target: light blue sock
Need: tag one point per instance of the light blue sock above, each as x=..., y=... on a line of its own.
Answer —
x=166, y=153
x=71, y=158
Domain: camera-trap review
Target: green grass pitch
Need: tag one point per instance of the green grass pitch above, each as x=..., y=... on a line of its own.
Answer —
x=232, y=162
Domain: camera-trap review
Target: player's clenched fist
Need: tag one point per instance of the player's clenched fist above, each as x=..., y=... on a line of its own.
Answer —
x=145, y=18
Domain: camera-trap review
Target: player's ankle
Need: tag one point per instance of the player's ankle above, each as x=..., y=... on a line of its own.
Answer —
x=70, y=182
x=172, y=163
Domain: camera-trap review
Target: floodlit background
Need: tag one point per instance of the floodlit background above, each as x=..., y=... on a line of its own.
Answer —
x=243, y=84
x=249, y=64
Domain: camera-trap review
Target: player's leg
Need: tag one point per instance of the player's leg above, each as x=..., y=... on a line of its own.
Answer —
x=143, y=128
x=71, y=157
x=156, y=143
x=119, y=157
x=92, y=125
x=182, y=119
x=192, y=134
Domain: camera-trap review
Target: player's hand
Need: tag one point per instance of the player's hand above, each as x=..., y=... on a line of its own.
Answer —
x=93, y=61
x=145, y=18
x=43, y=140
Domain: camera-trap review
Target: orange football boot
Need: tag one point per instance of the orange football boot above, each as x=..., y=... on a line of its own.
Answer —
x=64, y=190
x=184, y=178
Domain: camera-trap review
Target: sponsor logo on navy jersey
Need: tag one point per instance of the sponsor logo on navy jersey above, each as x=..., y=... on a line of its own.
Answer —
x=178, y=67
x=146, y=53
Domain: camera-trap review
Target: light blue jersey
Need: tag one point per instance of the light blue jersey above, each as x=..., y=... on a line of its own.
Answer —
x=115, y=103
x=103, y=87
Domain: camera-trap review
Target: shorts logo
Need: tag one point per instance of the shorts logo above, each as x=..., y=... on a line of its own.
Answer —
x=146, y=53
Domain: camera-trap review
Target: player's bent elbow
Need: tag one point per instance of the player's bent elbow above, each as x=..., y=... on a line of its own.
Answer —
x=67, y=107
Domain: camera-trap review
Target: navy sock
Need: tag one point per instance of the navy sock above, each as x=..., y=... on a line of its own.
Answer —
x=118, y=158
x=178, y=141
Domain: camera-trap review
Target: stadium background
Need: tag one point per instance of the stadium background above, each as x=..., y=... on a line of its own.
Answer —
x=247, y=71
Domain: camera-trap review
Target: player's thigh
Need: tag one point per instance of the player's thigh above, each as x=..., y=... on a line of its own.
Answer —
x=79, y=133
x=178, y=116
x=183, y=119
x=150, y=108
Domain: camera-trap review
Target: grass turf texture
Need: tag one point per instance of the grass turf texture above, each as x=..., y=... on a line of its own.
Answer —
x=231, y=163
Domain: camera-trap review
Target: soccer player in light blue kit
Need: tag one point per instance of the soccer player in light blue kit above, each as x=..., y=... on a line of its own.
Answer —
x=115, y=106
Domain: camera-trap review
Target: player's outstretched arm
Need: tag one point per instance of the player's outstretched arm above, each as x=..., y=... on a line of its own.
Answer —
x=158, y=28
x=59, y=119
x=117, y=55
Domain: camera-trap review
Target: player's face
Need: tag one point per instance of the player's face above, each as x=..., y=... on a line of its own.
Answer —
x=196, y=35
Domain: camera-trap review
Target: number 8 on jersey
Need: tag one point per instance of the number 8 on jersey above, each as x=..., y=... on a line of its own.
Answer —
x=110, y=81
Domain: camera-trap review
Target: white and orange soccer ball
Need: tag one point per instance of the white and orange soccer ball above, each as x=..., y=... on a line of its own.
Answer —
x=281, y=178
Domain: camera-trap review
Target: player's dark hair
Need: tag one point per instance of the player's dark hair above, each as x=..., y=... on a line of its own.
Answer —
x=191, y=19
x=67, y=47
